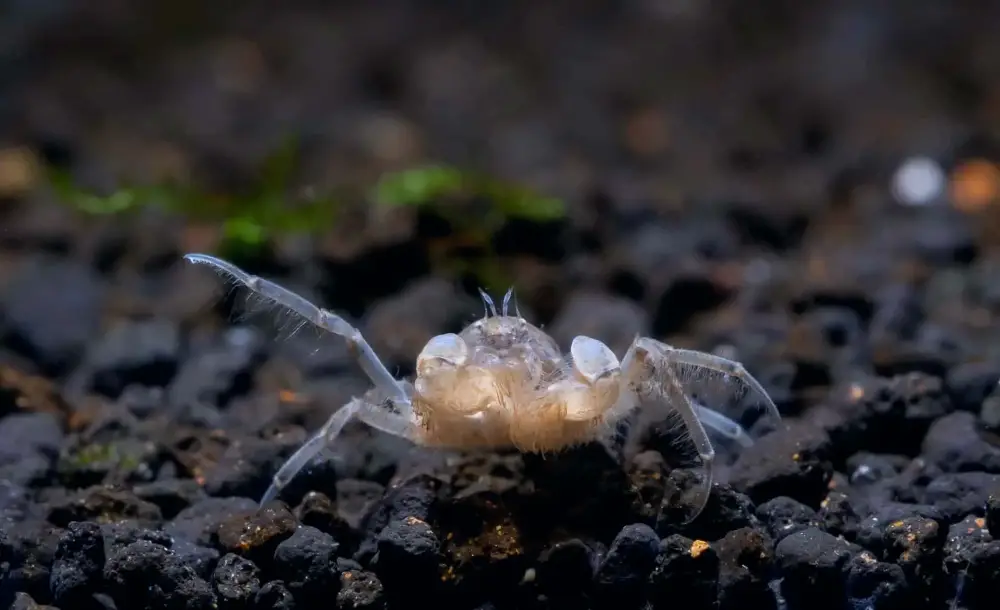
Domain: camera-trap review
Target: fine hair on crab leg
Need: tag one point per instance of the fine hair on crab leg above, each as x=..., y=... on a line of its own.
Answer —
x=703, y=445
x=311, y=448
x=721, y=365
x=317, y=316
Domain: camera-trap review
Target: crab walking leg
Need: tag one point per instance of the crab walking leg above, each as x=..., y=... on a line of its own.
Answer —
x=720, y=365
x=723, y=425
x=402, y=424
x=330, y=430
x=642, y=351
x=322, y=318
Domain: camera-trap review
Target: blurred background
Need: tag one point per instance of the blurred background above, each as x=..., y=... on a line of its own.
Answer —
x=705, y=171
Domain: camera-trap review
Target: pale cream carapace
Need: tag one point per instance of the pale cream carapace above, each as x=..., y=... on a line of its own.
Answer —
x=503, y=383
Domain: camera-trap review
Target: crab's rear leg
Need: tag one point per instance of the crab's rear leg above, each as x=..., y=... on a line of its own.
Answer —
x=384, y=382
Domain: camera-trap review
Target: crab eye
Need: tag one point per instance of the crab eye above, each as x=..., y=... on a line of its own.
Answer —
x=592, y=359
x=449, y=349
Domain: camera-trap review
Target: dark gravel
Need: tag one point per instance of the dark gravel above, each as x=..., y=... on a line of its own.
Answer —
x=727, y=170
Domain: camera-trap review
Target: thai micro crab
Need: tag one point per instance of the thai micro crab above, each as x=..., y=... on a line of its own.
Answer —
x=504, y=383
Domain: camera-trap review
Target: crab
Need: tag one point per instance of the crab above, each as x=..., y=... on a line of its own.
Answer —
x=503, y=383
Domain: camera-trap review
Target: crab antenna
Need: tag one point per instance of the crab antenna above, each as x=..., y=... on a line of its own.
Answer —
x=491, y=309
x=506, y=300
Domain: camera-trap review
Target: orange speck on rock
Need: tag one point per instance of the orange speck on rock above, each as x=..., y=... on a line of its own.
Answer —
x=975, y=184
x=19, y=171
x=857, y=392
x=698, y=547
x=646, y=133
x=981, y=523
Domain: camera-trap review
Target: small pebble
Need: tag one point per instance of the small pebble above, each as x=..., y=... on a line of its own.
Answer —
x=256, y=536
x=623, y=573
x=236, y=581
x=684, y=569
x=360, y=590
x=746, y=559
x=875, y=584
x=972, y=560
x=407, y=552
x=306, y=563
x=792, y=462
x=811, y=561
x=274, y=596
x=78, y=566
x=784, y=516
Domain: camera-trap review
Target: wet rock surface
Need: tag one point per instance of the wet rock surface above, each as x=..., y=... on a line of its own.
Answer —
x=730, y=183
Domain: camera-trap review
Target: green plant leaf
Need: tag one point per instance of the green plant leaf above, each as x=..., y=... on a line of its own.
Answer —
x=419, y=186
x=429, y=185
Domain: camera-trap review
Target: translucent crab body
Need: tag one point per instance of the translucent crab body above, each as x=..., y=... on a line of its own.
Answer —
x=504, y=383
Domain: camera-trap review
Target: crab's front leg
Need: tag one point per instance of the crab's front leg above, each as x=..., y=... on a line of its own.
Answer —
x=380, y=415
x=384, y=382
x=647, y=371
x=319, y=441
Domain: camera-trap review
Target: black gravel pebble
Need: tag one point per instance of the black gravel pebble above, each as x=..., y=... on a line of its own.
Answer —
x=972, y=561
x=954, y=444
x=257, y=535
x=78, y=566
x=306, y=563
x=793, y=462
x=915, y=544
x=319, y=511
x=274, y=596
x=784, y=516
x=993, y=514
x=200, y=522
x=236, y=581
x=360, y=590
x=684, y=569
x=141, y=353
x=53, y=332
x=565, y=571
x=621, y=577
x=746, y=568
x=839, y=516
x=407, y=552
x=875, y=584
x=810, y=561
x=28, y=549
x=171, y=495
x=23, y=601
x=147, y=573
x=409, y=504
